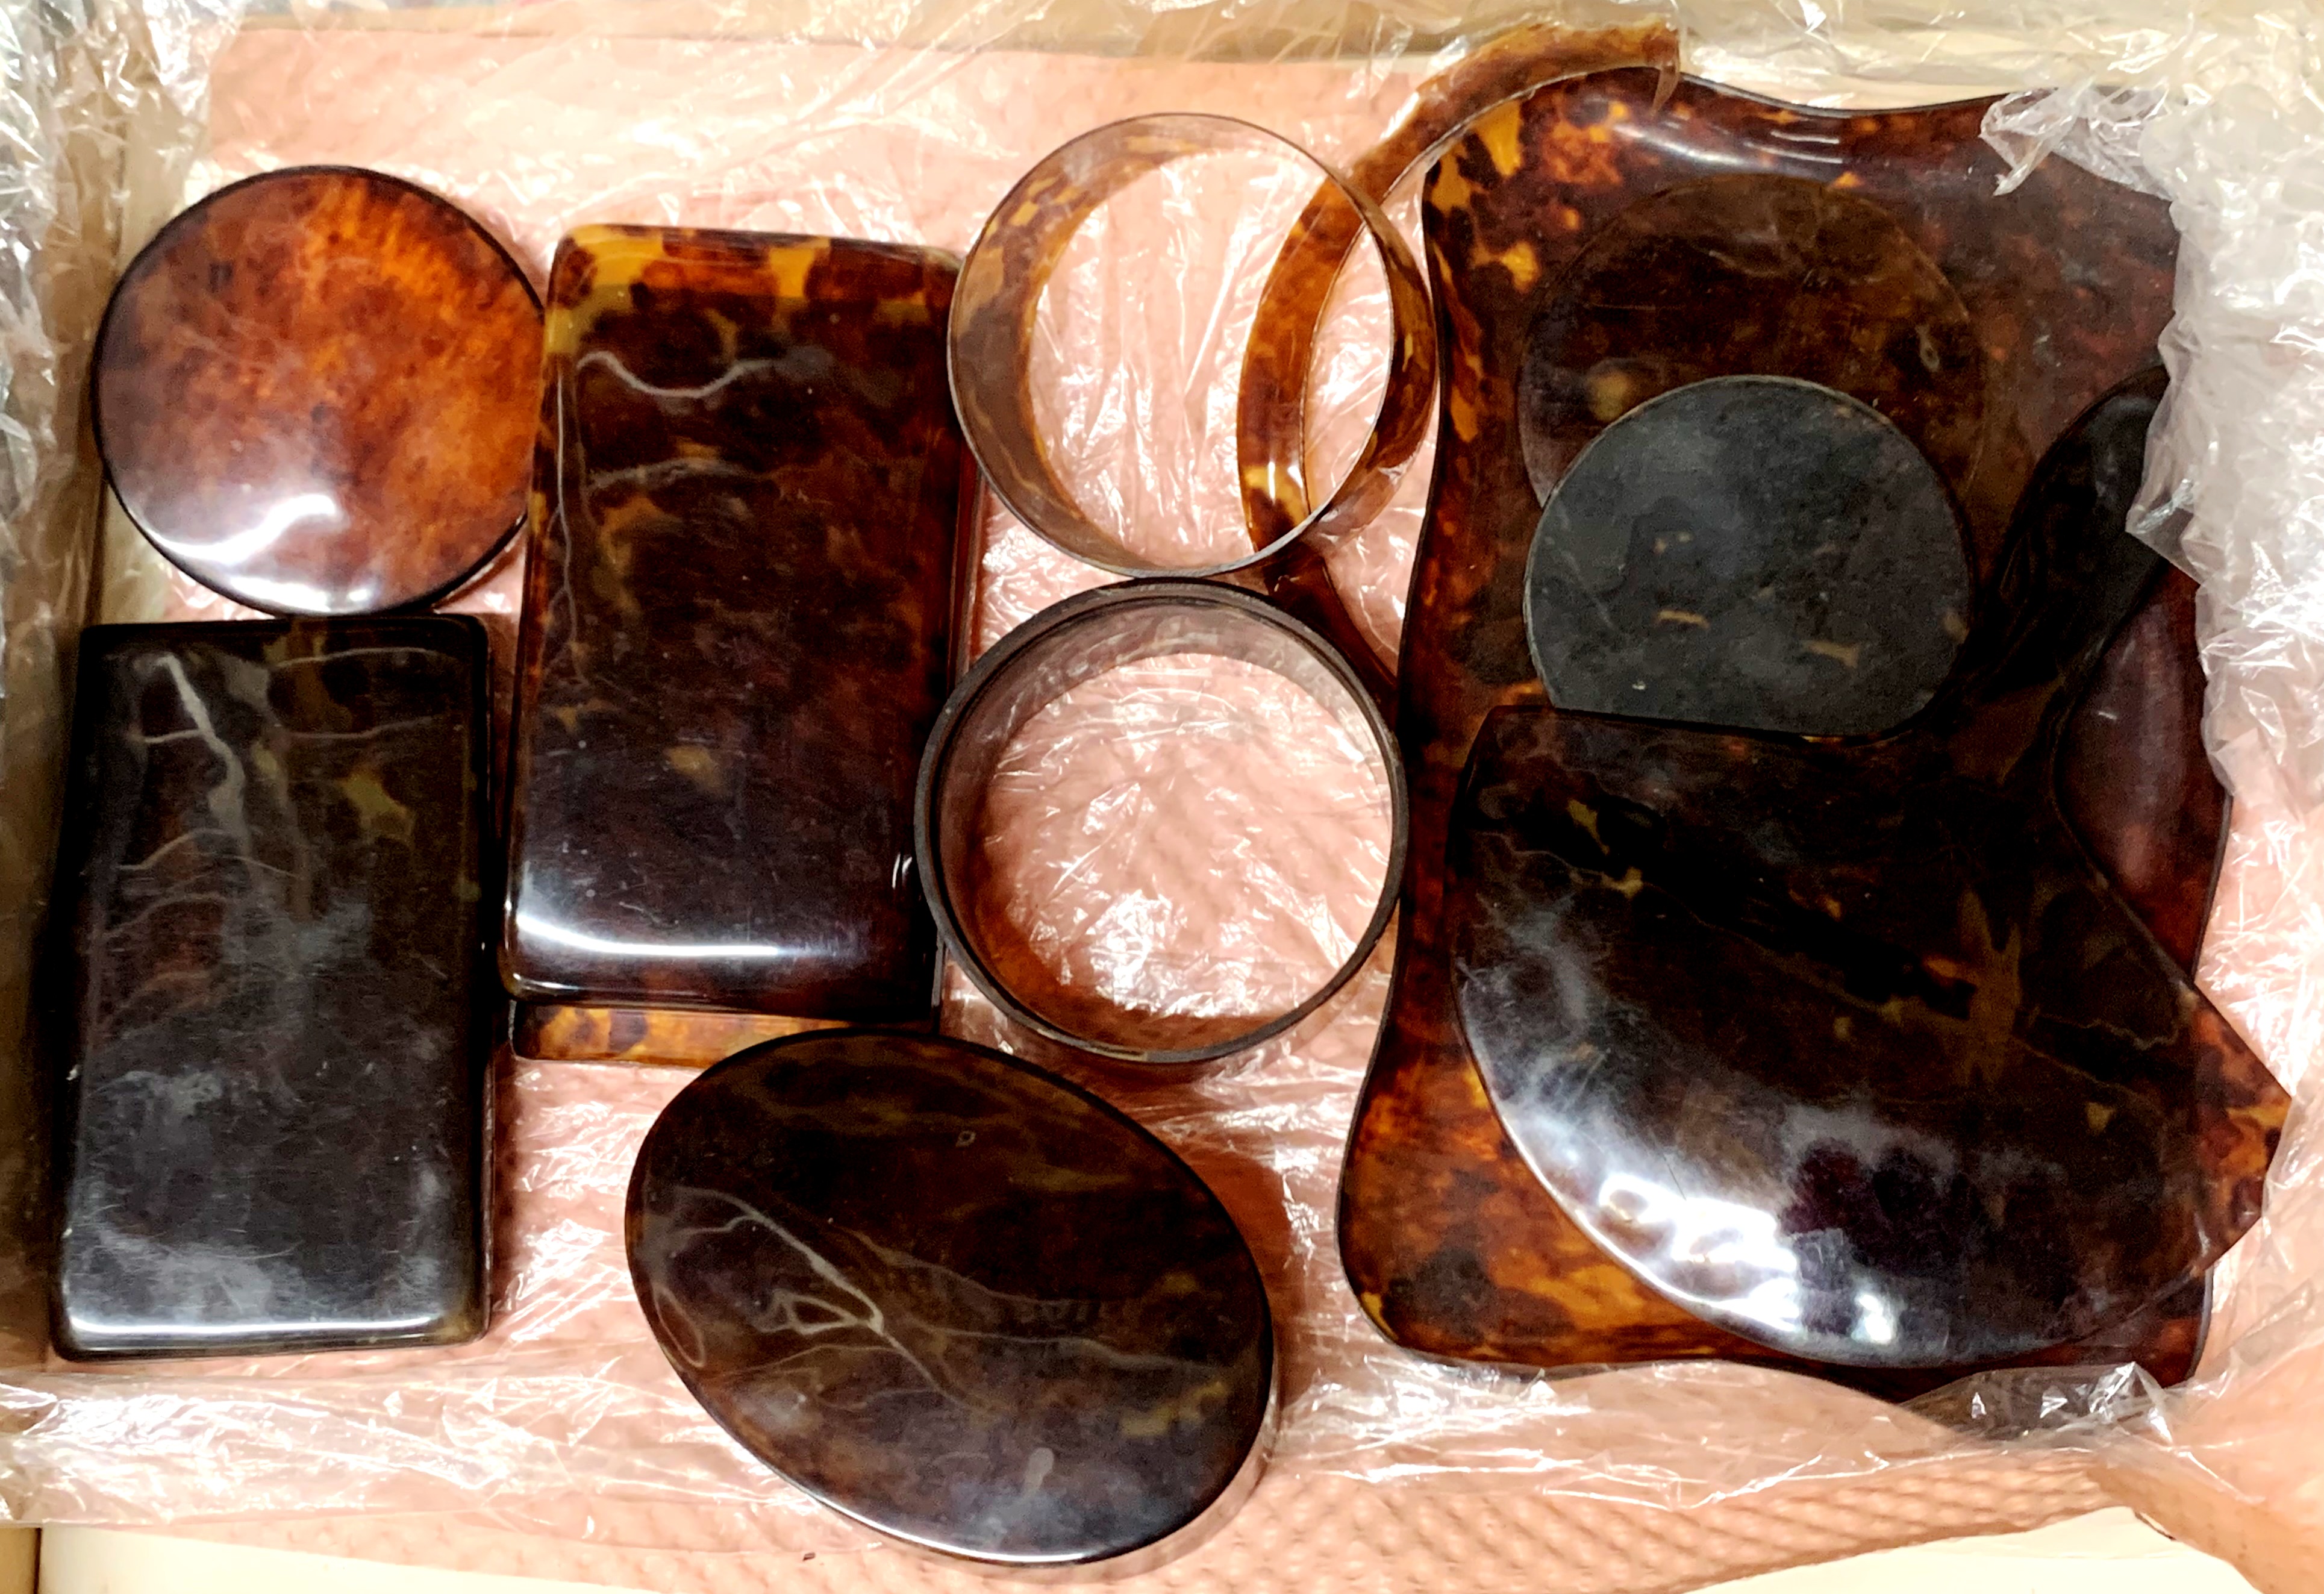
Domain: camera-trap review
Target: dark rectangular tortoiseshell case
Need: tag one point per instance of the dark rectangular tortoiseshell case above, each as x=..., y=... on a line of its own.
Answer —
x=737, y=626
x=268, y=987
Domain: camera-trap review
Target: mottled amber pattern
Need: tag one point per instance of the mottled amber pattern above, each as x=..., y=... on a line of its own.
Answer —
x=737, y=626
x=970, y=1305
x=1452, y=1243
x=1749, y=272
x=672, y=1036
x=315, y=391
x=267, y=1002
x=1847, y=1046
x=1271, y=404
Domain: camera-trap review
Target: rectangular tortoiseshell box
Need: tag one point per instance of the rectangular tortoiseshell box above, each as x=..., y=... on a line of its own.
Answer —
x=267, y=1000
x=737, y=626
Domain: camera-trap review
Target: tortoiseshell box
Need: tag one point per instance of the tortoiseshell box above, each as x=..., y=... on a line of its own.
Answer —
x=737, y=625
x=265, y=996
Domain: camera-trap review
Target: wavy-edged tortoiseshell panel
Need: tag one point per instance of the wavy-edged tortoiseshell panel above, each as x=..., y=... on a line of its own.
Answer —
x=1452, y=1244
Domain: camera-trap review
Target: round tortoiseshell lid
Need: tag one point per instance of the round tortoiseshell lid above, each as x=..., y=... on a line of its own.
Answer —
x=969, y=1305
x=316, y=393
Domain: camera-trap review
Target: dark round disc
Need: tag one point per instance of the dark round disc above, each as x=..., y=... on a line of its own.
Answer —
x=1751, y=274
x=1750, y=551
x=966, y=1304
x=316, y=393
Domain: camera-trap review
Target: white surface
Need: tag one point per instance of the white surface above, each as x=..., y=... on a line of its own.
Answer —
x=102, y=1561
x=2105, y=1552
x=2108, y=1552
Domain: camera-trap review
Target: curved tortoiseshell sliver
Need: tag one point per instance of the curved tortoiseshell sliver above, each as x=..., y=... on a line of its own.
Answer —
x=1450, y=1243
x=676, y=1037
x=1270, y=443
x=737, y=626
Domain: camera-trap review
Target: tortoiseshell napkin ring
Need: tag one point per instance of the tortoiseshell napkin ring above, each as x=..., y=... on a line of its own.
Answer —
x=998, y=300
x=1049, y=655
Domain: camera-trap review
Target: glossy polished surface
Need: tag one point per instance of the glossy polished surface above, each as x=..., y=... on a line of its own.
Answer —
x=1744, y=273
x=1753, y=551
x=1272, y=409
x=1066, y=644
x=1454, y=1246
x=315, y=392
x=1851, y=1049
x=266, y=986
x=969, y=1305
x=2150, y=810
x=681, y=1037
x=737, y=624
x=1001, y=285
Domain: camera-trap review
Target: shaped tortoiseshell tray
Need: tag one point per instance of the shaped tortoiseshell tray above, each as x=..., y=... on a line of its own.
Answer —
x=737, y=627
x=267, y=1003
x=1592, y=249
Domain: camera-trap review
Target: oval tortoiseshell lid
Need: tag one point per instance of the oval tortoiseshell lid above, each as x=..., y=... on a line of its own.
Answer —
x=316, y=393
x=957, y=1299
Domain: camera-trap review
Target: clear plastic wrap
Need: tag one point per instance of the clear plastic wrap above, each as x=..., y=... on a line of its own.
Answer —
x=102, y=106
x=1186, y=835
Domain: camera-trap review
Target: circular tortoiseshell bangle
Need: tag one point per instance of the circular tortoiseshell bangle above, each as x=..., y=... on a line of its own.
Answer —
x=1049, y=655
x=999, y=300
